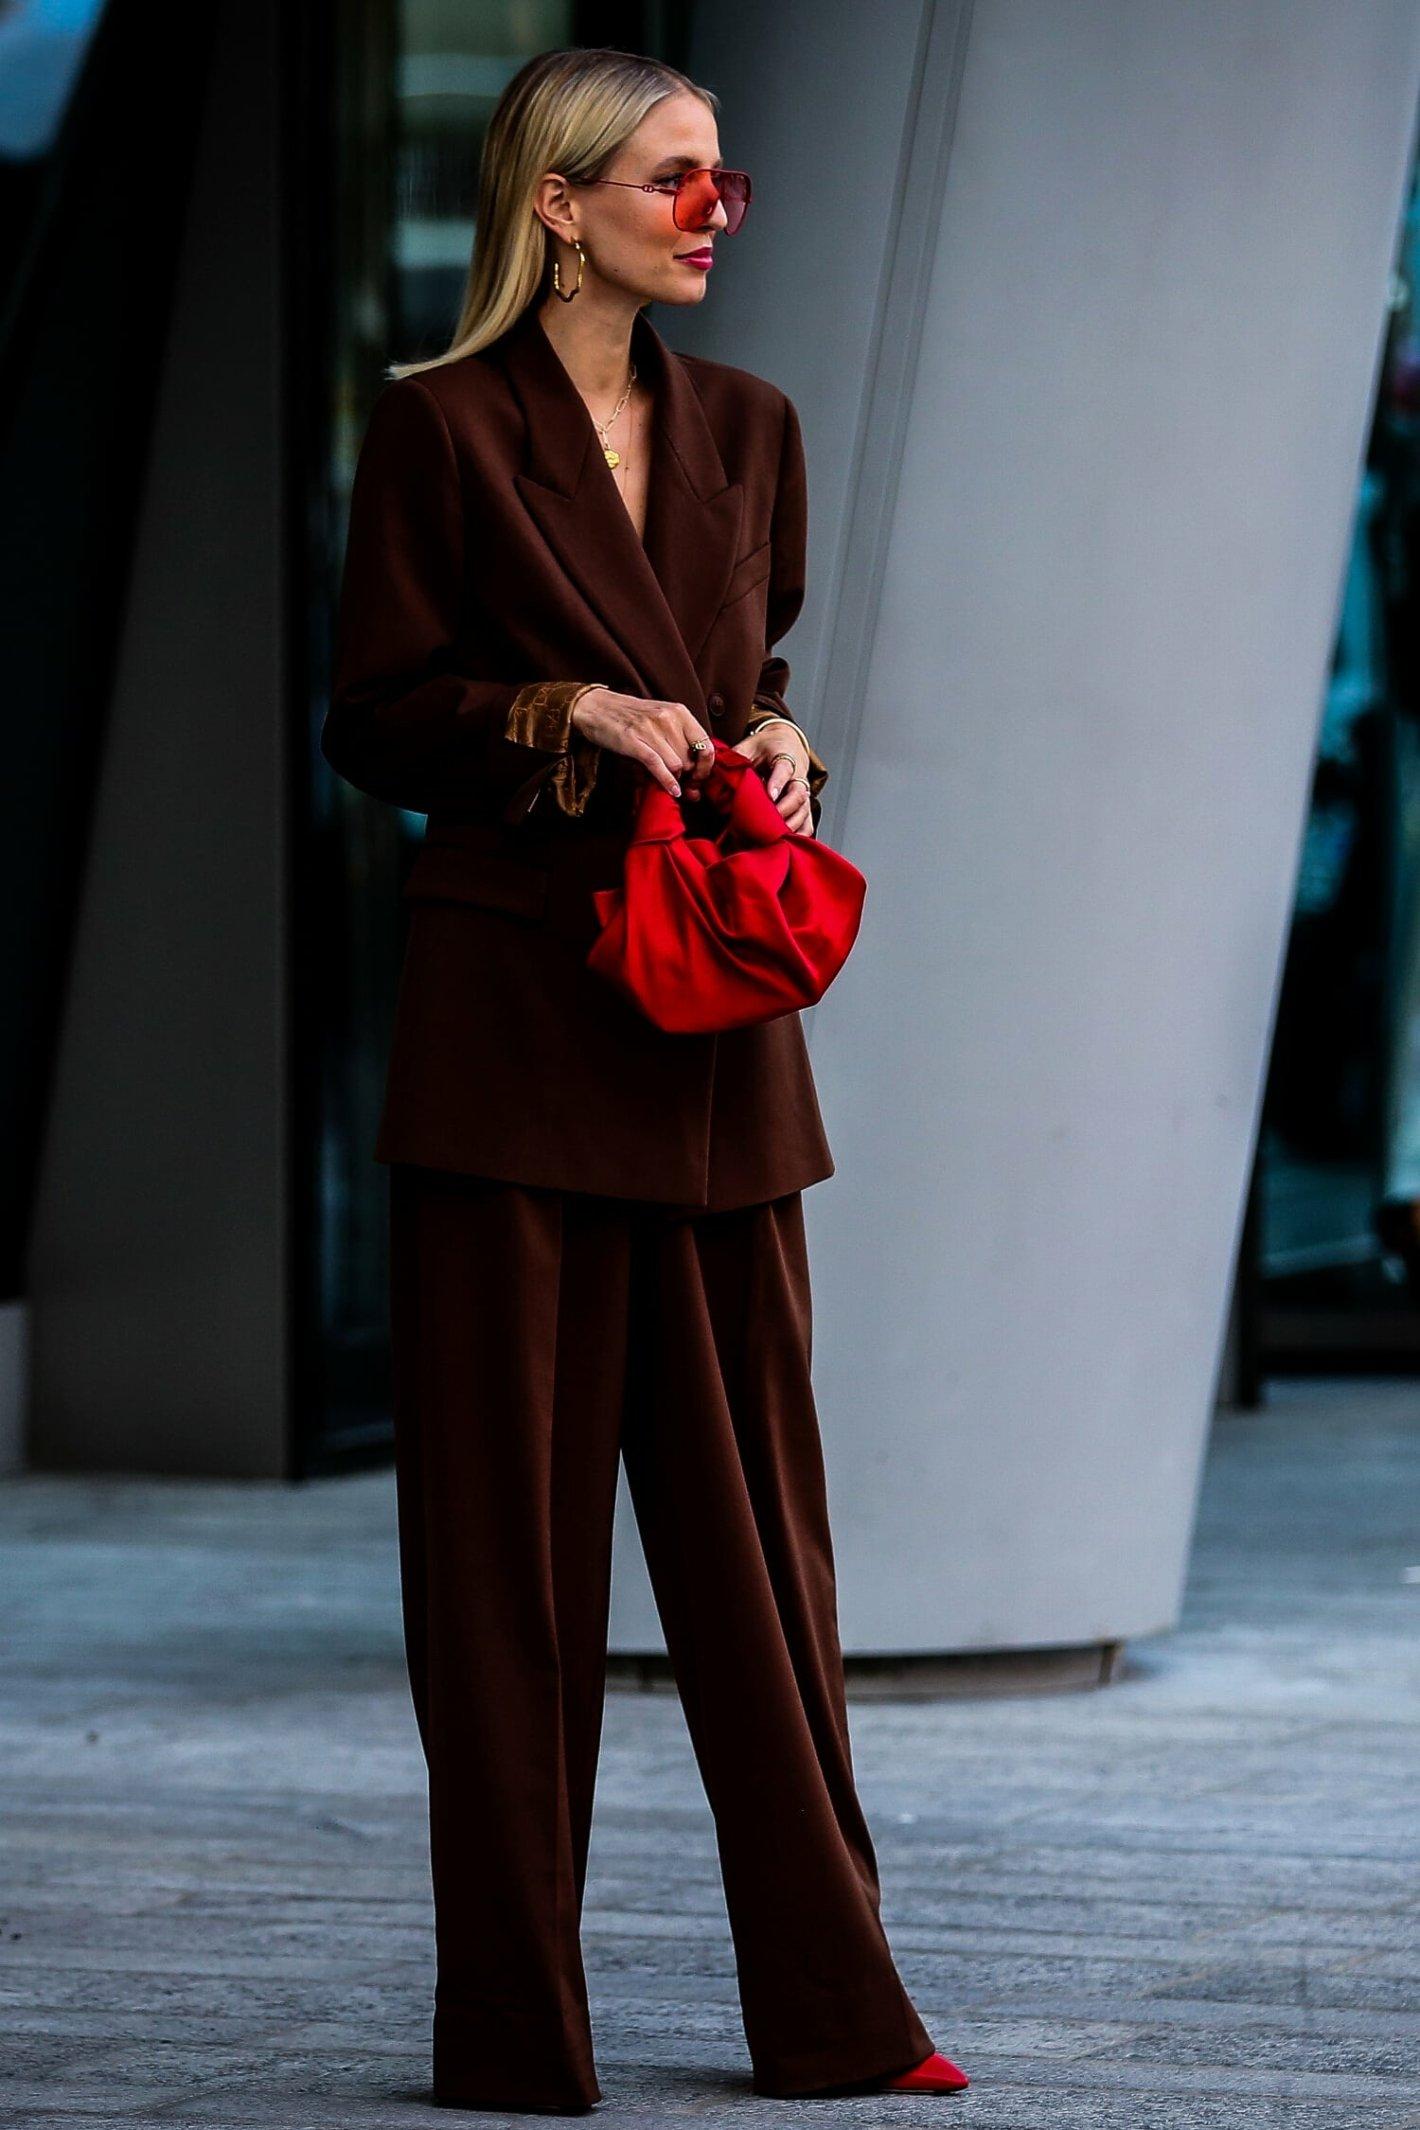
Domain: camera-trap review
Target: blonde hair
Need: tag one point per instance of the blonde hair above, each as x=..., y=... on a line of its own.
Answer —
x=570, y=111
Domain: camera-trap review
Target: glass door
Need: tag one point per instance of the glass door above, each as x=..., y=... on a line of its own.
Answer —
x=409, y=87
x=1337, y=1188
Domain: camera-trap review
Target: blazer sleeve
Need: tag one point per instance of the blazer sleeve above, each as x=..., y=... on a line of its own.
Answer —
x=403, y=723
x=787, y=579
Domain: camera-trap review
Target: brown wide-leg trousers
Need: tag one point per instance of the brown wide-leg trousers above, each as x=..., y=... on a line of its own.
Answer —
x=538, y=1336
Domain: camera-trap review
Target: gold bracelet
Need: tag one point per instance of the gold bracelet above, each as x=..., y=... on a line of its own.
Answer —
x=777, y=718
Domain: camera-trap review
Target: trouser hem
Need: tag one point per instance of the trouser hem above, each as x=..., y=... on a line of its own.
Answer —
x=470, y=2093
x=808, y=2077
x=511, y=2104
x=523, y=2070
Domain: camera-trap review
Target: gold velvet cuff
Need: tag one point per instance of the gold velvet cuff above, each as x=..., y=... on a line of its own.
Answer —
x=540, y=716
x=818, y=768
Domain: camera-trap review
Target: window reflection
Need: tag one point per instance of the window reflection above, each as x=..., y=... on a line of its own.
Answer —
x=43, y=44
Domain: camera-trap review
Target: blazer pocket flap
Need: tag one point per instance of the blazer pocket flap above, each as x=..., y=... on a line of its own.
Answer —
x=441, y=873
x=749, y=571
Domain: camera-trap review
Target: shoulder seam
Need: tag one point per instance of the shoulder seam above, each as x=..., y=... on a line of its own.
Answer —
x=435, y=402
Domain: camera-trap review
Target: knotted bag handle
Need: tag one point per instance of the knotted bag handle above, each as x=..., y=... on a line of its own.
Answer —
x=733, y=785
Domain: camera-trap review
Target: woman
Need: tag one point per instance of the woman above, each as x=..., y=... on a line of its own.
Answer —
x=570, y=553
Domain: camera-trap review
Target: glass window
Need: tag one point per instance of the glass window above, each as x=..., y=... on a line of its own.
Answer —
x=1338, y=1183
x=413, y=85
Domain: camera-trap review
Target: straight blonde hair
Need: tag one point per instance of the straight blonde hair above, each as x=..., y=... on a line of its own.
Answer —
x=570, y=111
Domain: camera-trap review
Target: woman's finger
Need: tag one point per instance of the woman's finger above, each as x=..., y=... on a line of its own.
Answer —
x=643, y=752
x=674, y=741
x=700, y=765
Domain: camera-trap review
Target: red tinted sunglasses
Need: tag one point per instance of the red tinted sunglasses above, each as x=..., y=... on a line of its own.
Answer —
x=693, y=194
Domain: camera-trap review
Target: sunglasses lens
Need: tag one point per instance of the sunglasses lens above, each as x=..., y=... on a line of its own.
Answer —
x=696, y=196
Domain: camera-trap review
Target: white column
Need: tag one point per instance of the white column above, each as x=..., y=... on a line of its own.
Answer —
x=1084, y=435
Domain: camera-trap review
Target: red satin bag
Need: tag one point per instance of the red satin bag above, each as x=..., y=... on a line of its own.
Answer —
x=712, y=932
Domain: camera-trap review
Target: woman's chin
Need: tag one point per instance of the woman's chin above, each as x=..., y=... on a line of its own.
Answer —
x=686, y=285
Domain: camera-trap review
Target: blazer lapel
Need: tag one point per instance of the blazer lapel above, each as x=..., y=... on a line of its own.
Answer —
x=657, y=599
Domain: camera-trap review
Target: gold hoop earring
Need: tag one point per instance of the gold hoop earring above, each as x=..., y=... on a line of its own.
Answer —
x=557, y=288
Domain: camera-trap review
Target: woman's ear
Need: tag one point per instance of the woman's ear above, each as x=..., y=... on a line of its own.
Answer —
x=555, y=209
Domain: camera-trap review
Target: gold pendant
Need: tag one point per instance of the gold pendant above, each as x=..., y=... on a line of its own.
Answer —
x=613, y=458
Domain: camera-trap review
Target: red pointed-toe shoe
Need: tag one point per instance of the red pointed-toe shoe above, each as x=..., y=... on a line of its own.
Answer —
x=935, y=2074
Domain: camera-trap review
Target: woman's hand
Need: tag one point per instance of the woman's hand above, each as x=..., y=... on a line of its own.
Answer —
x=656, y=734
x=771, y=743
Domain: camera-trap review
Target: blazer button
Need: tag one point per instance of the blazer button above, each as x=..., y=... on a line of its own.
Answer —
x=716, y=704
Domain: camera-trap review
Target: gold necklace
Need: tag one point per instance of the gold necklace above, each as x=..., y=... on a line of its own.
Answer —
x=613, y=458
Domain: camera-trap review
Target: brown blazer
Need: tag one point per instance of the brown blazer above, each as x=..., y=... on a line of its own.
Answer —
x=491, y=571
